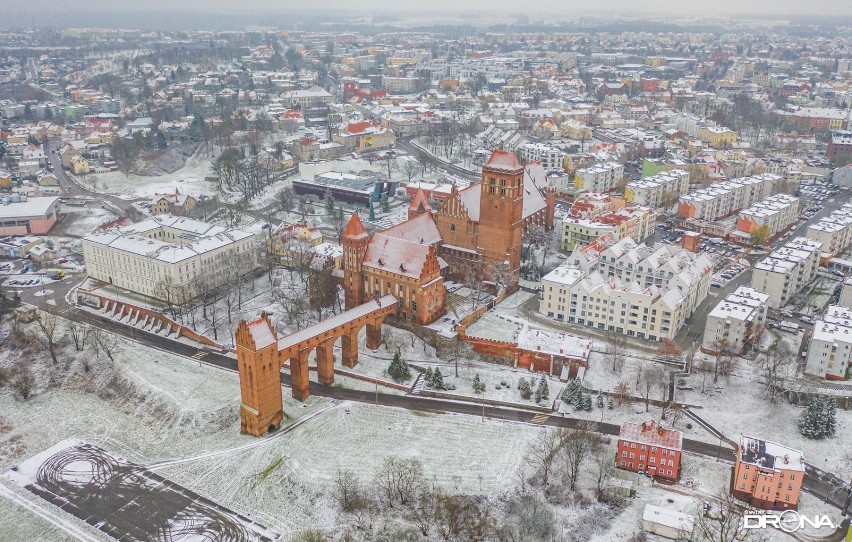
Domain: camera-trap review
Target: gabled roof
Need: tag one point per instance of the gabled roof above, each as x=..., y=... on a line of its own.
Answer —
x=262, y=333
x=420, y=202
x=420, y=229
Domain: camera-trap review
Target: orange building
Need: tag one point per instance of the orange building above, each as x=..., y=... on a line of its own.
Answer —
x=476, y=230
x=650, y=449
x=768, y=475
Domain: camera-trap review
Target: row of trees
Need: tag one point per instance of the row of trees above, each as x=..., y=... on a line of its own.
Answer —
x=243, y=171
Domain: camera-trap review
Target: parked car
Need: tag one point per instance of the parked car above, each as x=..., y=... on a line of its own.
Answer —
x=807, y=319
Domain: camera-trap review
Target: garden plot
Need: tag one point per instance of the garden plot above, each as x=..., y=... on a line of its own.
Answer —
x=459, y=453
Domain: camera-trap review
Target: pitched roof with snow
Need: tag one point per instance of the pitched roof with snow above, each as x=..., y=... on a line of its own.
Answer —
x=652, y=434
x=503, y=161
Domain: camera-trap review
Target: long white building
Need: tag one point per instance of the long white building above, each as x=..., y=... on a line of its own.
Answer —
x=732, y=323
x=168, y=251
x=786, y=271
x=833, y=231
x=776, y=212
x=830, y=349
x=637, y=290
x=652, y=190
x=599, y=177
x=727, y=197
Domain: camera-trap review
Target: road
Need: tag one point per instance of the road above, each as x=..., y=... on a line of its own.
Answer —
x=436, y=162
x=823, y=485
x=71, y=188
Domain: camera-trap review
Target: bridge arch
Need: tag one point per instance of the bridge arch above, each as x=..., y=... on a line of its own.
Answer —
x=261, y=354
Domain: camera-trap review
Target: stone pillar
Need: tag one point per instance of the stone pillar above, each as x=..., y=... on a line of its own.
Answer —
x=325, y=362
x=350, y=349
x=300, y=381
x=374, y=335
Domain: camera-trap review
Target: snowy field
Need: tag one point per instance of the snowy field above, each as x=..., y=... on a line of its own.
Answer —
x=458, y=453
x=188, y=179
x=80, y=222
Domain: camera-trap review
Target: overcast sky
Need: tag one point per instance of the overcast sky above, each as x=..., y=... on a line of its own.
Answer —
x=566, y=7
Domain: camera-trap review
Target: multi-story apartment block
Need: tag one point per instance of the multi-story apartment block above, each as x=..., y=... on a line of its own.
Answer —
x=653, y=190
x=636, y=222
x=768, y=475
x=830, y=348
x=786, y=271
x=732, y=325
x=833, y=231
x=168, y=256
x=840, y=145
x=598, y=178
x=776, y=212
x=846, y=293
x=648, y=294
x=313, y=97
x=550, y=157
x=724, y=198
x=649, y=448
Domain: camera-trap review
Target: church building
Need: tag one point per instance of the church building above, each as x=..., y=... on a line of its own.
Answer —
x=476, y=232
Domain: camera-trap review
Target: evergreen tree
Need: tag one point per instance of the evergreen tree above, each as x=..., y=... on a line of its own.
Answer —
x=372, y=216
x=813, y=424
x=478, y=386
x=525, y=388
x=428, y=377
x=329, y=202
x=599, y=401
x=572, y=391
x=438, y=380
x=385, y=203
x=541, y=392
x=399, y=369
x=830, y=425
x=587, y=403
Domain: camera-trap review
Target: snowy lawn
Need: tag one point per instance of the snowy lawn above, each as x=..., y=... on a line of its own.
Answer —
x=287, y=479
x=83, y=221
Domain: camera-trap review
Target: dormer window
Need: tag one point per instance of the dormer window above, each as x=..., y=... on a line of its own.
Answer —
x=381, y=262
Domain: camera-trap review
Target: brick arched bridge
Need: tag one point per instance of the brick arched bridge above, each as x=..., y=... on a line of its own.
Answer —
x=260, y=355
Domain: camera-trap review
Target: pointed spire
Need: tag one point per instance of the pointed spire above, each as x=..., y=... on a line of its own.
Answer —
x=355, y=229
x=420, y=202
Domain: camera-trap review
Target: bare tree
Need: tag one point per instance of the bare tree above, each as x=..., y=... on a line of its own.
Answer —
x=47, y=333
x=78, y=332
x=776, y=366
x=22, y=380
x=399, y=478
x=723, y=522
x=650, y=377
x=604, y=471
x=105, y=343
x=542, y=452
x=616, y=347
x=347, y=489
x=668, y=350
x=577, y=445
x=423, y=513
x=622, y=393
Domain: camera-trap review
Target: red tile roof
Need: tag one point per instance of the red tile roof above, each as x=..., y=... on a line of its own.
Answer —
x=419, y=202
x=651, y=434
x=503, y=160
x=355, y=228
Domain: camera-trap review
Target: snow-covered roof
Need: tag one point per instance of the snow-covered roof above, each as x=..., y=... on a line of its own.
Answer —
x=668, y=518
x=651, y=433
x=770, y=455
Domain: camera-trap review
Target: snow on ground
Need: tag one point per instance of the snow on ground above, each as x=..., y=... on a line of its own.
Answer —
x=458, y=453
x=83, y=221
x=188, y=179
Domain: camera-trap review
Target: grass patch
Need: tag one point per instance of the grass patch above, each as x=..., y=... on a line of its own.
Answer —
x=422, y=414
x=264, y=474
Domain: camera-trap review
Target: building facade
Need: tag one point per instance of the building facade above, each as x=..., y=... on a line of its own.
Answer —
x=598, y=178
x=733, y=324
x=768, y=475
x=653, y=191
x=830, y=349
x=727, y=197
x=787, y=270
x=20, y=215
x=168, y=256
x=776, y=213
x=649, y=448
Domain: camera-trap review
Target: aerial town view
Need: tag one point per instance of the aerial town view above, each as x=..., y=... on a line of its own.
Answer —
x=425, y=271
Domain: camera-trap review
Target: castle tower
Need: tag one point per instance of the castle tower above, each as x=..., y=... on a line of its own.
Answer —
x=355, y=241
x=501, y=211
x=260, y=377
x=550, y=201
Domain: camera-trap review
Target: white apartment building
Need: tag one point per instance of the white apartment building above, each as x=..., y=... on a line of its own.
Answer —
x=833, y=231
x=648, y=294
x=846, y=293
x=732, y=323
x=636, y=222
x=831, y=345
x=599, y=177
x=727, y=197
x=786, y=271
x=550, y=157
x=168, y=250
x=650, y=191
x=776, y=212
